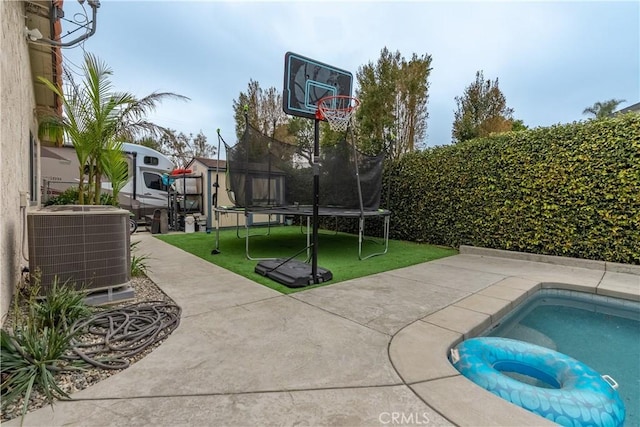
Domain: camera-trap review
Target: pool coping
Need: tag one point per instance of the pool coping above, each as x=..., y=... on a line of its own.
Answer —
x=419, y=352
x=605, y=266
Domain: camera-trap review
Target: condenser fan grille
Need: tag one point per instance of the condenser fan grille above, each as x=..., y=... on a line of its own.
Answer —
x=87, y=246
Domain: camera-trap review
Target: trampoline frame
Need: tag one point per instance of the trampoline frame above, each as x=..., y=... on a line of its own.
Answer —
x=307, y=212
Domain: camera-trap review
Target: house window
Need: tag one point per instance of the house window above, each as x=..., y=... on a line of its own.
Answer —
x=33, y=169
x=150, y=160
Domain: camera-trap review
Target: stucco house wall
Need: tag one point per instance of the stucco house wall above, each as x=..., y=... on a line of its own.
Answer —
x=18, y=125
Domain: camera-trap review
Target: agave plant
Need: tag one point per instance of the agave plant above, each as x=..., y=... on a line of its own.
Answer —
x=61, y=307
x=138, y=263
x=30, y=358
x=33, y=350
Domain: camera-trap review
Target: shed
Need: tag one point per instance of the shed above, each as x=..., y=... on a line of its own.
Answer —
x=212, y=171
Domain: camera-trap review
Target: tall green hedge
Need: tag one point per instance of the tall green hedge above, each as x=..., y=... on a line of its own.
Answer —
x=570, y=190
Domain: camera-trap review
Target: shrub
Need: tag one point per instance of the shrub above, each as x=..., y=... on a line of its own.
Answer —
x=70, y=197
x=67, y=197
x=569, y=190
x=61, y=307
x=33, y=350
x=30, y=357
x=138, y=263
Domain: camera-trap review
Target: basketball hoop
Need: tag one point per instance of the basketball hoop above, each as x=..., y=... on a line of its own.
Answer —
x=337, y=110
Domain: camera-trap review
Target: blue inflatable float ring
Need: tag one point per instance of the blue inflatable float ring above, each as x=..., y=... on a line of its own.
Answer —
x=572, y=394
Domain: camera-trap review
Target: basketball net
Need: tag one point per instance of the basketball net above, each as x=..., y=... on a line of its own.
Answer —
x=337, y=111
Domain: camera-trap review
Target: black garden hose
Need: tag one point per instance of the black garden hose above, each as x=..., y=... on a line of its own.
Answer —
x=110, y=337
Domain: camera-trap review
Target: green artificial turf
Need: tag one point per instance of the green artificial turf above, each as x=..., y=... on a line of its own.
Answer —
x=336, y=252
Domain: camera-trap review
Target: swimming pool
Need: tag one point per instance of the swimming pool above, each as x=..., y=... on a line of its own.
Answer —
x=602, y=332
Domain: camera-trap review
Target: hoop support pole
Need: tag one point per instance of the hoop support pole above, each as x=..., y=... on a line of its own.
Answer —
x=316, y=201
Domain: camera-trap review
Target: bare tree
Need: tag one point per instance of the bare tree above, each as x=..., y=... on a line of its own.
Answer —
x=263, y=109
x=181, y=148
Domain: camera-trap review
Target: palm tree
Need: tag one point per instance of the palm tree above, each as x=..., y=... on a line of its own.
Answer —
x=604, y=109
x=114, y=167
x=97, y=120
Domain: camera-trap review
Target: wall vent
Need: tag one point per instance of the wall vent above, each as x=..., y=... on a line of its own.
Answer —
x=87, y=247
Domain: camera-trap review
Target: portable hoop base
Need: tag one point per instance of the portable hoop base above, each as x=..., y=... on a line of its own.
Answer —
x=292, y=273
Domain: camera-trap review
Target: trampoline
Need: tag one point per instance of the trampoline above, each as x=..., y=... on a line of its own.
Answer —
x=307, y=213
x=271, y=177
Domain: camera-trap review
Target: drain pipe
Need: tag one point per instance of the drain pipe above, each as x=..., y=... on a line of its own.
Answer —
x=24, y=197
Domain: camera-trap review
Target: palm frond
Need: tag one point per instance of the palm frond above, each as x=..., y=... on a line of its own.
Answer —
x=95, y=115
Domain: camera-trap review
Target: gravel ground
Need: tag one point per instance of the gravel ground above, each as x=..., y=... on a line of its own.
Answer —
x=145, y=290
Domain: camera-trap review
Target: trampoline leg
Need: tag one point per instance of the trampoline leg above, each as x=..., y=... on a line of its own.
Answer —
x=246, y=240
x=246, y=247
x=246, y=221
x=361, y=238
x=216, y=250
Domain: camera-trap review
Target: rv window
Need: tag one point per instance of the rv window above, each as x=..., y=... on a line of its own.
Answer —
x=150, y=160
x=154, y=181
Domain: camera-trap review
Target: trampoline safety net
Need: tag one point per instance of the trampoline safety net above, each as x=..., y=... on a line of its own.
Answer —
x=264, y=172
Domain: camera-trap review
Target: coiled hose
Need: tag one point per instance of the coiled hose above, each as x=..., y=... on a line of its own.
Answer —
x=109, y=337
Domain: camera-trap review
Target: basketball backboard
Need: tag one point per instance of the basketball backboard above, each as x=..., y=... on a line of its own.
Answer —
x=306, y=81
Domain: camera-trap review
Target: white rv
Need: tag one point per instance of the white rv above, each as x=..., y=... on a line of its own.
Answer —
x=143, y=193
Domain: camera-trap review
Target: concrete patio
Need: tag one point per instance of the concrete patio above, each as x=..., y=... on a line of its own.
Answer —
x=365, y=352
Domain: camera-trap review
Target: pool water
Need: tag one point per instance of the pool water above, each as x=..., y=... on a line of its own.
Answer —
x=601, y=332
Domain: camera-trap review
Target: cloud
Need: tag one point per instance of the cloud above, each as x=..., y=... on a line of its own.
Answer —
x=552, y=58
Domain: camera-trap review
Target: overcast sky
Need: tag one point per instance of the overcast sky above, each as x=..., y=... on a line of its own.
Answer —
x=552, y=59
